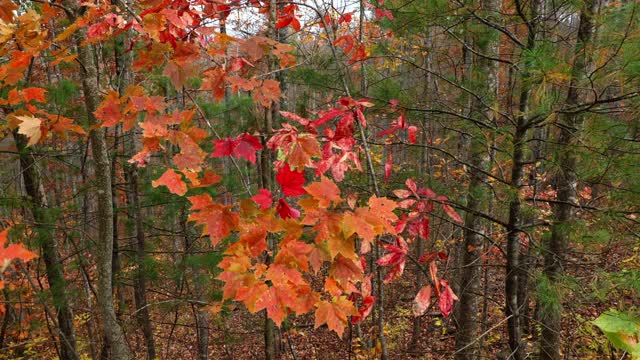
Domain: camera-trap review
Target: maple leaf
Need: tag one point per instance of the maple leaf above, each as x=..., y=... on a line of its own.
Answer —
x=295, y=148
x=191, y=155
x=332, y=287
x=109, y=109
x=34, y=93
x=396, y=258
x=253, y=239
x=284, y=22
x=60, y=125
x=178, y=74
x=288, y=292
x=223, y=147
x=248, y=290
x=383, y=207
x=335, y=314
x=97, y=30
x=12, y=252
x=263, y=199
x=243, y=146
x=325, y=191
x=246, y=147
x=303, y=150
x=422, y=301
x=218, y=220
x=285, y=211
x=291, y=181
x=295, y=117
x=337, y=243
x=367, y=224
x=209, y=178
x=345, y=270
x=268, y=93
x=365, y=309
x=30, y=127
x=172, y=181
x=294, y=253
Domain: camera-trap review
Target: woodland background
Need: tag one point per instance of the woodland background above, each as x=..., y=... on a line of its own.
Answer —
x=396, y=179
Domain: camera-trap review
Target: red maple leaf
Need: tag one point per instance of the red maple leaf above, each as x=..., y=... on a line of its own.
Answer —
x=243, y=146
x=263, y=199
x=223, y=147
x=285, y=211
x=291, y=181
x=396, y=258
x=246, y=146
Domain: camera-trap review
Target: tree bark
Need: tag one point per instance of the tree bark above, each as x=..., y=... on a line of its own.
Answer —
x=487, y=71
x=515, y=281
x=123, y=64
x=566, y=180
x=140, y=279
x=113, y=333
x=44, y=223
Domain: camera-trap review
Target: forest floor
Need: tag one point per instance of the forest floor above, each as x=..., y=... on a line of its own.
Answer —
x=239, y=335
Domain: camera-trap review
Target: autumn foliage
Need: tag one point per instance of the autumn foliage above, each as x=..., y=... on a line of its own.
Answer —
x=306, y=211
x=273, y=239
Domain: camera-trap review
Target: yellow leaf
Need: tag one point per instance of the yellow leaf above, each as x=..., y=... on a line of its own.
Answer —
x=68, y=32
x=30, y=127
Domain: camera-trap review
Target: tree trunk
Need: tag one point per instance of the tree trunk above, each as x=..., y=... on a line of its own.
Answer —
x=487, y=71
x=424, y=171
x=515, y=281
x=566, y=181
x=114, y=335
x=44, y=223
x=115, y=252
x=266, y=176
x=140, y=278
x=123, y=68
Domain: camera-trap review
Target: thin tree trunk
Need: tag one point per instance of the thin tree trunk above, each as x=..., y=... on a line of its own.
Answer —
x=45, y=222
x=202, y=319
x=516, y=279
x=566, y=182
x=470, y=283
x=89, y=73
x=462, y=150
x=266, y=175
x=115, y=253
x=140, y=278
x=424, y=171
x=123, y=64
x=202, y=315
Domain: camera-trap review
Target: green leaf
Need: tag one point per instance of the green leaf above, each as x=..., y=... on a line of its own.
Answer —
x=623, y=330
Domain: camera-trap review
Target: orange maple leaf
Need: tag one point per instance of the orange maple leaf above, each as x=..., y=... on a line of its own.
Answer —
x=173, y=181
x=12, y=252
x=335, y=314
